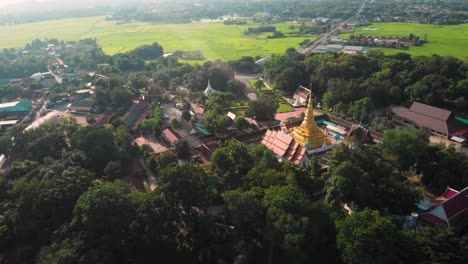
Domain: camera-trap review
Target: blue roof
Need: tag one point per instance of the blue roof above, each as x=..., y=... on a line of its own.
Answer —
x=21, y=106
x=5, y=80
x=202, y=129
x=461, y=119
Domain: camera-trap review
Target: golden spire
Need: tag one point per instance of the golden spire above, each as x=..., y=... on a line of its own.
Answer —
x=309, y=118
x=309, y=134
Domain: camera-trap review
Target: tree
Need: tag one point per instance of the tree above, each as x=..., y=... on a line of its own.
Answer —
x=235, y=86
x=247, y=214
x=97, y=144
x=299, y=229
x=240, y=123
x=148, y=52
x=366, y=237
x=155, y=233
x=343, y=183
x=113, y=170
x=219, y=73
x=440, y=245
x=264, y=108
x=442, y=167
x=100, y=225
x=186, y=185
x=362, y=109
x=403, y=147
x=166, y=159
x=183, y=151
x=186, y=115
x=120, y=97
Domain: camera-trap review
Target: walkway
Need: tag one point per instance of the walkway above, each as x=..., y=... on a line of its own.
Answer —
x=149, y=174
x=249, y=91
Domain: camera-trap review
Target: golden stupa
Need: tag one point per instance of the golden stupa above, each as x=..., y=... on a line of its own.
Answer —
x=309, y=134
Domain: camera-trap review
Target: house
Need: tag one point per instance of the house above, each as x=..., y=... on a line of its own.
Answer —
x=170, y=135
x=135, y=114
x=188, y=134
x=450, y=210
x=197, y=111
x=16, y=109
x=262, y=61
x=328, y=48
x=232, y=116
x=286, y=148
x=439, y=122
x=354, y=49
x=300, y=96
x=84, y=93
x=4, y=124
x=103, y=118
x=83, y=106
x=205, y=151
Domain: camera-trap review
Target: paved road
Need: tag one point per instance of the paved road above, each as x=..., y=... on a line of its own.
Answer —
x=58, y=79
x=249, y=91
x=323, y=39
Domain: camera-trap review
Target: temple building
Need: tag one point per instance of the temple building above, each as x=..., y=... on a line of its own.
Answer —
x=309, y=134
x=295, y=144
x=300, y=96
x=285, y=148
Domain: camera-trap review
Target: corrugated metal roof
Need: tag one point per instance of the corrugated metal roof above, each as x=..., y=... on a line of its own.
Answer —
x=18, y=106
x=430, y=111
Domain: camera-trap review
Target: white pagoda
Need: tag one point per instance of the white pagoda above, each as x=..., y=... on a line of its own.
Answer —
x=209, y=89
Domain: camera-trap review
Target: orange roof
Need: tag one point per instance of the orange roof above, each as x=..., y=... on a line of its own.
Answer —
x=283, y=145
x=171, y=135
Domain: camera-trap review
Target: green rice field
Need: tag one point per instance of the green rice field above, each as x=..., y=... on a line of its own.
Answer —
x=446, y=40
x=215, y=40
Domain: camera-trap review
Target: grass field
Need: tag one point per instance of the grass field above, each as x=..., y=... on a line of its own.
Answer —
x=284, y=107
x=443, y=40
x=215, y=40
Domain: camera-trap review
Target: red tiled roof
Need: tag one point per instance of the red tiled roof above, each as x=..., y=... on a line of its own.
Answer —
x=283, y=145
x=302, y=92
x=360, y=133
x=449, y=192
x=451, y=212
x=171, y=135
x=203, y=158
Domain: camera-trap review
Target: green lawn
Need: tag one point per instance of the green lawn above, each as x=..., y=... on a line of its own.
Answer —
x=252, y=82
x=284, y=107
x=215, y=40
x=446, y=40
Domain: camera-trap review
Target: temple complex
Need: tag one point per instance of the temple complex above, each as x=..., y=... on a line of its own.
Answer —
x=309, y=134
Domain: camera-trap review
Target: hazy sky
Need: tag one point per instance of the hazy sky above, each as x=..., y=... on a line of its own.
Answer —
x=64, y=2
x=19, y=2
x=16, y=3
